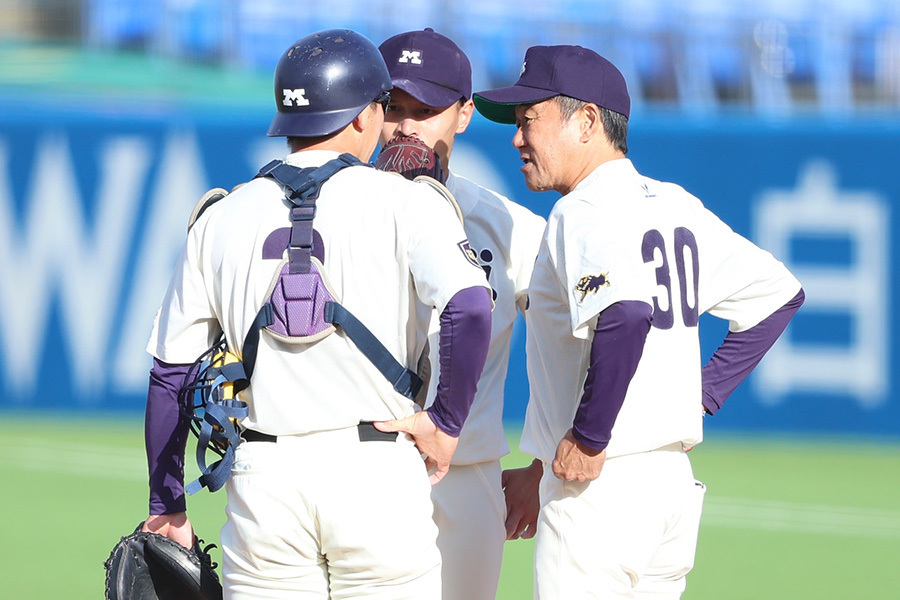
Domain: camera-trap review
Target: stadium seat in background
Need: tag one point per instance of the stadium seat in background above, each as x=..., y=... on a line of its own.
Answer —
x=866, y=21
x=711, y=57
x=195, y=29
x=887, y=58
x=775, y=54
x=774, y=57
x=647, y=37
x=396, y=17
x=262, y=29
x=492, y=35
x=258, y=44
x=598, y=24
x=122, y=24
x=833, y=68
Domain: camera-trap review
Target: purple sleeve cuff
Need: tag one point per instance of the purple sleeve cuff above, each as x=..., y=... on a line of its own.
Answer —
x=165, y=436
x=615, y=353
x=741, y=352
x=464, y=339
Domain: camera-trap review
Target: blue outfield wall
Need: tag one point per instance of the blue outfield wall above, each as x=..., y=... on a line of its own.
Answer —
x=94, y=204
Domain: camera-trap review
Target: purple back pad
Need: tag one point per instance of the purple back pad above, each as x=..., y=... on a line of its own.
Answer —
x=298, y=303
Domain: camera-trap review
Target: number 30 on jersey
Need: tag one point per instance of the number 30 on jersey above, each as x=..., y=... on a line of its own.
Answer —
x=687, y=269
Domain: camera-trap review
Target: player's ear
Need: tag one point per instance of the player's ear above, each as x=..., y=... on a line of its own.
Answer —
x=366, y=118
x=366, y=128
x=466, y=109
x=591, y=122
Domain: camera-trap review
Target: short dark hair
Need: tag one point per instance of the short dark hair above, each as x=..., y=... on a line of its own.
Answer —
x=568, y=106
x=615, y=125
x=295, y=143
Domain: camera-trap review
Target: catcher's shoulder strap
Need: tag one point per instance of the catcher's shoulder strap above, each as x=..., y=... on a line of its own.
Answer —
x=302, y=187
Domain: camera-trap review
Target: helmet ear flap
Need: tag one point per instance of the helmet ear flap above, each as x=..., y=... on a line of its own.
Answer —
x=324, y=80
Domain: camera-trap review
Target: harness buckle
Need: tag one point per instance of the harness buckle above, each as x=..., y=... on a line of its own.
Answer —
x=304, y=212
x=268, y=168
x=309, y=187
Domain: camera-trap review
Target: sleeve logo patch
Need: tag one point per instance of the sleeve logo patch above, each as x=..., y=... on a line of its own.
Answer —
x=469, y=253
x=589, y=284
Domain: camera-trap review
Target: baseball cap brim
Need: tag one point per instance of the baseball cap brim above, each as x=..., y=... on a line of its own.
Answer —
x=312, y=124
x=427, y=92
x=500, y=105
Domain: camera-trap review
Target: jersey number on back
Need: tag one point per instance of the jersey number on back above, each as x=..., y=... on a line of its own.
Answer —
x=685, y=253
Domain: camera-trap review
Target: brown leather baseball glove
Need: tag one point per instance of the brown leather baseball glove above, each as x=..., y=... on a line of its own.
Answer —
x=410, y=157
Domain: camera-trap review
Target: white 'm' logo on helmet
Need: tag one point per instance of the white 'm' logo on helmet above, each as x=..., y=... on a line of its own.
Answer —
x=295, y=98
x=411, y=56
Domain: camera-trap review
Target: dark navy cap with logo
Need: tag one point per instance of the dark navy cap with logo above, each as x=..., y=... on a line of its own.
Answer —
x=428, y=66
x=558, y=70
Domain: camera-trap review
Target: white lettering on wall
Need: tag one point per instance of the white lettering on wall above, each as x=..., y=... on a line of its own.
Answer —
x=56, y=254
x=818, y=207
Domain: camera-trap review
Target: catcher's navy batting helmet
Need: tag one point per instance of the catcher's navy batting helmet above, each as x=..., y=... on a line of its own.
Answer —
x=324, y=81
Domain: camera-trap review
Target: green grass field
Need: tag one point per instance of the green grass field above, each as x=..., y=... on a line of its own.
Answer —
x=782, y=520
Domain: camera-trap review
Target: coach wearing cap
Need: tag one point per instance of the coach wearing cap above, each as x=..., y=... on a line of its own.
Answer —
x=617, y=392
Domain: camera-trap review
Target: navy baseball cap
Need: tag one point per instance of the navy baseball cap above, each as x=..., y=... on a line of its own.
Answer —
x=428, y=66
x=553, y=70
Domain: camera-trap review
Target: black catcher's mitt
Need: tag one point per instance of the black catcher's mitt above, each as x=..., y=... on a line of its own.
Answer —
x=410, y=157
x=149, y=566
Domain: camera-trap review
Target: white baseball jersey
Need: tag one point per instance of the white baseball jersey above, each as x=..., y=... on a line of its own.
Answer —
x=621, y=236
x=505, y=237
x=393, y=249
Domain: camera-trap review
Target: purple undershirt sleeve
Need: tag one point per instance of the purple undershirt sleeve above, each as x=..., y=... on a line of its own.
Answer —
x=165, y=437
x=464, y=339
x=740, y=353
x=615, y=353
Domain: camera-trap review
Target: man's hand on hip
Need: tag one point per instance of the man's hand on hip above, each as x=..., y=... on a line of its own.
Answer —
x=437, y=446
x=576, y=462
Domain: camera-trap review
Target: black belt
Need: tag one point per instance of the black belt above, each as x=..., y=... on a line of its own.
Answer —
x=249, y=435
x=366, y=429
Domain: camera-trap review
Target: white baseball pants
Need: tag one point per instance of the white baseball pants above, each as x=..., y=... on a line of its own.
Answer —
x=630, y=534
x=326, y=516
x=470, y=512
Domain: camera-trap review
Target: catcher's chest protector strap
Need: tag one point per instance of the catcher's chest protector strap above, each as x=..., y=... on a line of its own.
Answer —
x=301, y=307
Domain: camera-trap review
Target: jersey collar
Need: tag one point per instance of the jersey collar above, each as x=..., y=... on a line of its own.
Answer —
x=310, y=158
x=620, y=168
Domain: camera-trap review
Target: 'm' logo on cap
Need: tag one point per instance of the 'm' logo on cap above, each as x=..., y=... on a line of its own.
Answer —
x=413, y=57
x=295, y=97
